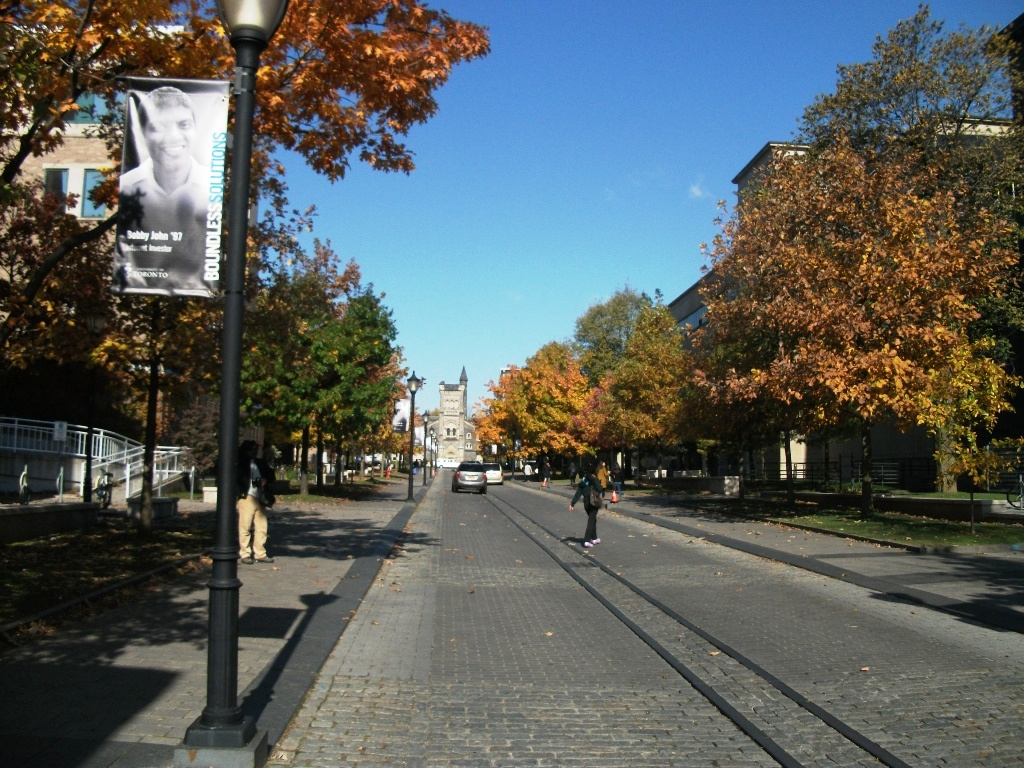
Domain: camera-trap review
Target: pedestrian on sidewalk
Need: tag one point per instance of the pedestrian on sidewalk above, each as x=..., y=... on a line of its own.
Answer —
x=254, y=478
x=617, y=477
x=590, y=490
x=545, y=472
x=572, y=473
x=602, y=477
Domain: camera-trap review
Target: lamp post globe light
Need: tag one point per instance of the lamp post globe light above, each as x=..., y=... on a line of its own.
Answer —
x=413, y=383
x=250, y=24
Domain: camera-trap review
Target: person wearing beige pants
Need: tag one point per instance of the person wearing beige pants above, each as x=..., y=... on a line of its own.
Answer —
x=252, y=514
x=252, y=531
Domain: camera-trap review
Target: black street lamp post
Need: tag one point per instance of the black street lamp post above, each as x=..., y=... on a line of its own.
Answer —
x=413, y=383
x=433, y=452
x=250, y=25
x=425, y=464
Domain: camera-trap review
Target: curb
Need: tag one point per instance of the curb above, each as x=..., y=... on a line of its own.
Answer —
x=924, y=549
x=989, y=615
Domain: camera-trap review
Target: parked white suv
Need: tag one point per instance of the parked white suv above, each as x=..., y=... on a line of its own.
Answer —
x=493, y=471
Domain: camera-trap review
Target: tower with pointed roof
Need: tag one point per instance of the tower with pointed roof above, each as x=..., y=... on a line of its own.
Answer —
x=456, y=433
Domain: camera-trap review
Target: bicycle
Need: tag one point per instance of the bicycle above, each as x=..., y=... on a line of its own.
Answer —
x=1015, y=496
x=105, y=489
x=24, y=492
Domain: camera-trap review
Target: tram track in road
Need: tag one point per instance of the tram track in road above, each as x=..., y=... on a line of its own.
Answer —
x=792, y=729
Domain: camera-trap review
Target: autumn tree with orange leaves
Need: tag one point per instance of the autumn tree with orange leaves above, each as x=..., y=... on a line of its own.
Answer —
x=534, y=407
x=339, y=79
x=857, y=273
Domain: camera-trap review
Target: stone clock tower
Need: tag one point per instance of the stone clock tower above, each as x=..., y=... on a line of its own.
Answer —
x=456, y=434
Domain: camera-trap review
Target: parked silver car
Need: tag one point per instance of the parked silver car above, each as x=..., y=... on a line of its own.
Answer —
x=493, y=471
x=469, y=476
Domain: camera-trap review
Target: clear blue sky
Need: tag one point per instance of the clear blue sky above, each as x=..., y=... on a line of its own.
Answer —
x=586, y=153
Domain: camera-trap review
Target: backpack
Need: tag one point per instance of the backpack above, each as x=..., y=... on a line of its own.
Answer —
x=243, y=477
x=594, y=500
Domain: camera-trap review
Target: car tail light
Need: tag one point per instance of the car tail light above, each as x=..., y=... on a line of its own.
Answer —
x=456, y=475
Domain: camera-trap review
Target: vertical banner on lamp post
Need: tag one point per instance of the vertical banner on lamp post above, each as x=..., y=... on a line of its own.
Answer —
x=400, y=420
x=171, y=200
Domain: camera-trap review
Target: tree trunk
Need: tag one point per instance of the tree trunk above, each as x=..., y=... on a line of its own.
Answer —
x=146, y=507
x=319, y=459
x=304, y=463
x=866, y=501
x=743, y=474
x=946, y=480
x=338, y=466
x=973, y=529
x=790, y=485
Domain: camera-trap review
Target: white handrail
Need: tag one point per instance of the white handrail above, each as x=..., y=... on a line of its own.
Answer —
x=111, y=452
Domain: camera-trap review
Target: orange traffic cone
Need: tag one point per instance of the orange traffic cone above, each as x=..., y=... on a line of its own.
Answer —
x=615, y=496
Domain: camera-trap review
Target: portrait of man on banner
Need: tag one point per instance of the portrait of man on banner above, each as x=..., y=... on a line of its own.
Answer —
x=171, y=199
x=400, y=419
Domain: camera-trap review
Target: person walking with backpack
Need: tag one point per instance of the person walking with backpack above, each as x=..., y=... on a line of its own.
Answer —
x=603, y=477
x=590, y=490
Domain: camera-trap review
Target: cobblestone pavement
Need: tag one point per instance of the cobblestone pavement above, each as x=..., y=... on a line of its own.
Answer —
x=475, y=649
x=472, y=647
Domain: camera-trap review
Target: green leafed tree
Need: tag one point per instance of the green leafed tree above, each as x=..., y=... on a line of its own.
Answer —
x=603, y=331
x=642, y=402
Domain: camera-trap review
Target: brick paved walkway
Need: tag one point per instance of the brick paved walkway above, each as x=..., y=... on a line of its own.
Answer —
x=472, y=648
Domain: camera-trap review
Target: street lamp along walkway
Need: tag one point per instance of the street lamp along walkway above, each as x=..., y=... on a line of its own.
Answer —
x=425, y=423
x=413, y=384
x=221, y=727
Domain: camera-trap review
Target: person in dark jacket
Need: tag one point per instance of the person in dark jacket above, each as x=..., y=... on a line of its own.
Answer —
x=583, y=489
x=617, y=479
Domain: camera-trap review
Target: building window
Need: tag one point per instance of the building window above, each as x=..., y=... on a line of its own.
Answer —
x=91, y=109
x=79, y=179
x=55, y=183
x=695, y=319
x=91, y=210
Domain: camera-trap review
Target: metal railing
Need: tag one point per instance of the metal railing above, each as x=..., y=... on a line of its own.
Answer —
x=111, y=452
x=909, y=473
